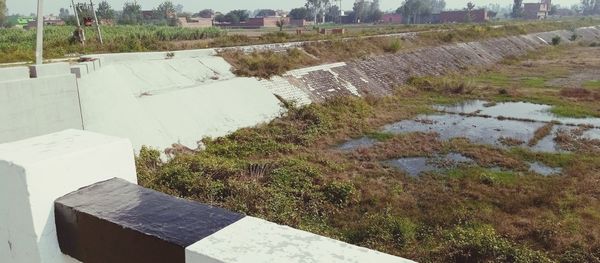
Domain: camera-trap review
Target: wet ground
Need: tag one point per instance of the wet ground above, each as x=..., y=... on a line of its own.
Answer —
x=485, y=123
x=515, y=110
x=415, y=166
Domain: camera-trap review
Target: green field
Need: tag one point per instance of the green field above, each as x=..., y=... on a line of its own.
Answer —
x=17, y=45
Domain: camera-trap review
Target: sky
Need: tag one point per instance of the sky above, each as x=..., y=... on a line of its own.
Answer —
x=52, y=6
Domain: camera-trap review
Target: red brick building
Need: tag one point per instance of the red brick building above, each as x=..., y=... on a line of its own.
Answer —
x=536, y=11
x=270, y=21
x=391, y=19
x=476, y=16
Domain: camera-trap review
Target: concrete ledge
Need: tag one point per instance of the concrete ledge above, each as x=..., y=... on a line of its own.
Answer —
x=49, y=70
x=14, y=73
x=37, y=171
x=256, y=240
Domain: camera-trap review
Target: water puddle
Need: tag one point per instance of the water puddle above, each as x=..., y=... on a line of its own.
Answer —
x=515, y=110
x=501, y=125
x=351, y=145
x=414, y=166
x=543, y=169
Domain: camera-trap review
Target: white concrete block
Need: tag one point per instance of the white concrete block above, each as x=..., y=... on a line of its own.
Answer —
x=256, y=240
x=37, y=171
x=38, y=106
x=50, y=70
x=14, y=73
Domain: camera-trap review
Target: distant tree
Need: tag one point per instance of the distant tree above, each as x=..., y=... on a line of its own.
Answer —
x=165, y=10
x=366, y=11
x=469, y=9
x=105, y=11
x=280, y=23
x=318, y=8
x=300, y=13
x=179, y=9
x=333, y=14
x=206, y=13
x=3, y=13
x=62, y=14
x=236, y=16
x=131, y=14
x=517, y=10
x=553, y=10
x=437, y=6
x=220, y=18
x=414, y=10
x=266, y=13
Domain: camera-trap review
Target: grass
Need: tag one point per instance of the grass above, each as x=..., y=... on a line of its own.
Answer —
x=574, y=111
x=592, y=84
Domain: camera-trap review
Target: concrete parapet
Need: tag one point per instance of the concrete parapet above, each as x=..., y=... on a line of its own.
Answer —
x=14, y=73
x=49, y=70
x=33, y=107
x=35, y=172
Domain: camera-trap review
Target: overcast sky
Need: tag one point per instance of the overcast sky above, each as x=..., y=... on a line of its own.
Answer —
x=52, y=6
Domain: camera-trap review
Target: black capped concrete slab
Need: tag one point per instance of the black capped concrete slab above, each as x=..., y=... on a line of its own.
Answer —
x=119, y=222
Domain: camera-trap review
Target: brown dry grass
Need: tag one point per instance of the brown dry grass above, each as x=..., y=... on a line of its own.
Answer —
x=540, y=134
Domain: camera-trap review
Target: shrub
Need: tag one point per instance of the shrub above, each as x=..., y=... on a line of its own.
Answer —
x=393, y=46
x=339, y=193
x=556, y=40
x=482, y=244
x=574, y=37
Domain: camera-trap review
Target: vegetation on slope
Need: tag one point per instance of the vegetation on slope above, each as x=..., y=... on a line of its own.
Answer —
x=288, y=171
x=265, y=64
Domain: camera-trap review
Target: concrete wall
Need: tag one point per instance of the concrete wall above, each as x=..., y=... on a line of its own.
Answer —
x=35, y=106
x=35, y=172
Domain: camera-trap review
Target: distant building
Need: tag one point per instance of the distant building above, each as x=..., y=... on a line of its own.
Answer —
x=537, y=11
x=195, y=22
x=476, y=16
x=270, y=21
x=301, y=23
x=391, y=19
x=23, y=22
x=48, y=21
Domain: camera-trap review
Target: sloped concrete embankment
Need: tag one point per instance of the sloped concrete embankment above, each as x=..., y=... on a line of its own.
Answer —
x=158, y=100
x=379, y=75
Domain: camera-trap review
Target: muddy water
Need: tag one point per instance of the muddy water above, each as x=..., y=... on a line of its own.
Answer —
x=488, y=124
x=516, y=110
x=543, y=169
x=414, y=166
x=478, y=130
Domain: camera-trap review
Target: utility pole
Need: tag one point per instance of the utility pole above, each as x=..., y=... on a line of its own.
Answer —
x=82, y=36
x=341, y=12
x=39, y=50
x=97, y=23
